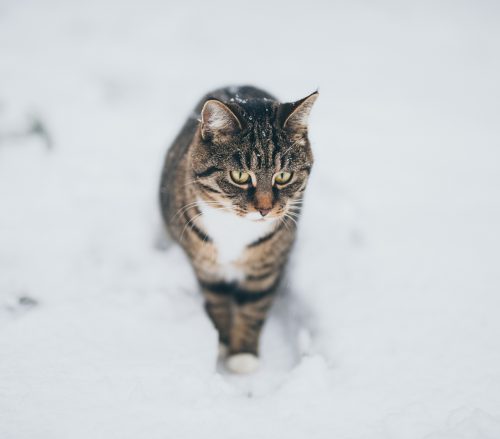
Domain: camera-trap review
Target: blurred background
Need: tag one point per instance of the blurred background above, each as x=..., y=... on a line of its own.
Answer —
x=390, y=328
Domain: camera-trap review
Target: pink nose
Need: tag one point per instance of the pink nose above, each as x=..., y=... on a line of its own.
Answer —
x=264, y=212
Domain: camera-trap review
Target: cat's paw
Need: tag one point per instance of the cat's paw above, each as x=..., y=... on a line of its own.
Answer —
x=242, y=363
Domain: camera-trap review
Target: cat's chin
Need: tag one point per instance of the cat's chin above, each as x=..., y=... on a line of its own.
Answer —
x=258, y=218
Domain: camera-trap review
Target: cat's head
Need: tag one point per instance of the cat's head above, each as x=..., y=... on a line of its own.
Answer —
x=253, y=157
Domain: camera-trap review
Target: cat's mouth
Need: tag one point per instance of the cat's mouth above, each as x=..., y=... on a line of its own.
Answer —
x=254, y=216
x=257, y=217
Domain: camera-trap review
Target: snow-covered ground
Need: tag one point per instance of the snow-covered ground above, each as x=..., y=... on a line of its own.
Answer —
x=391, y=325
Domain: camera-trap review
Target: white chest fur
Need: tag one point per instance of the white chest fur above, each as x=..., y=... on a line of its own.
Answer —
x=231, y=234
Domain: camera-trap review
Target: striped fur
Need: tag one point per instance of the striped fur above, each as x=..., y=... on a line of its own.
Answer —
x=238, y=129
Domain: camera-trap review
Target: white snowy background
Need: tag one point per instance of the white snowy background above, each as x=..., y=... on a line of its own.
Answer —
x=390, y=328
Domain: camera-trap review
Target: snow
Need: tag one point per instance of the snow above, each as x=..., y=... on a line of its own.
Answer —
x=389, y=328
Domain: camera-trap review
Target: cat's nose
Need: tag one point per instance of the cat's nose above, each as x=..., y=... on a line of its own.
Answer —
x=263, y=202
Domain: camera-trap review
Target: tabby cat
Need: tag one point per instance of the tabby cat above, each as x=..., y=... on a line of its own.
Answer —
x=231, y=194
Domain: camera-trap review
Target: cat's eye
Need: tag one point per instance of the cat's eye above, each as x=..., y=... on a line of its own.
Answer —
x=240, y=177
x=283, y=177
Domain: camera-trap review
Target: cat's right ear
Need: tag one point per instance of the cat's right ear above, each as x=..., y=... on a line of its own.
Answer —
x=297, y=113
x=218, y=121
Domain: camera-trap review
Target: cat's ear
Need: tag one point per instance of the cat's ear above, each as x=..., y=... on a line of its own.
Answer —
x=217, y=120
x=296, y=114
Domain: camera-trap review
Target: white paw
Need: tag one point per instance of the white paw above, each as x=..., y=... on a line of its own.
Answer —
x=242, y=363
x=223, y=350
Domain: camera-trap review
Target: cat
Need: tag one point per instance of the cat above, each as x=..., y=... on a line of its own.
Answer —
x=231, y=194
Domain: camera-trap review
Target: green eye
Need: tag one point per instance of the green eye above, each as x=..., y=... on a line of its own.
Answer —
x=240, y=177
x=283, y=177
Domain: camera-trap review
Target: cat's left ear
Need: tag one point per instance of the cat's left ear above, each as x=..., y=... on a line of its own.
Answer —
x=218, y=121
x=296, y=114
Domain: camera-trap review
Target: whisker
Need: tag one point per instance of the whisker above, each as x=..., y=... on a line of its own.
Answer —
x=290, y=217
x=194, y=219
x=283, y=220
x=187, y=224
x=189, y=205
x=190, y=182
x=183, y=209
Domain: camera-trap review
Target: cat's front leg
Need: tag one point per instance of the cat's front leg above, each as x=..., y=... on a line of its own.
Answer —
x=218, y=307
x=248, y=318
